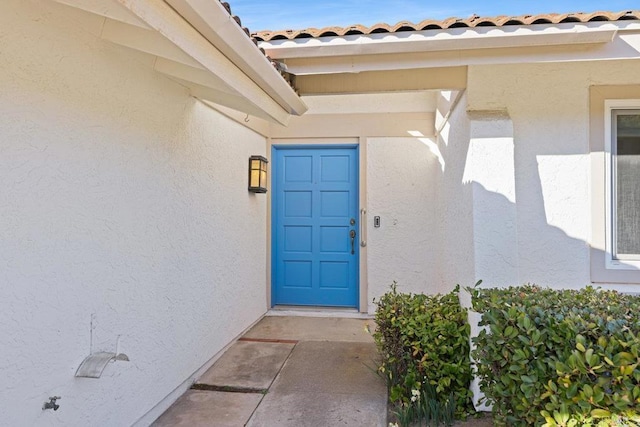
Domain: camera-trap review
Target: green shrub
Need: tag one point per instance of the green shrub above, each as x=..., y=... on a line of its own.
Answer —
x=559, y=357
x=424, y=344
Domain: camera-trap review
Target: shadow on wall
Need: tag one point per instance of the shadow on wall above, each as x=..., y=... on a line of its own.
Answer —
x=503, y=235
x=502, y=260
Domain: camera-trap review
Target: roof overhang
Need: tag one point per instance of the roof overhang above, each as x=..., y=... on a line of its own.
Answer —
x=212, y=21
x=457, y=47
x=199, y=45
x=441, y=40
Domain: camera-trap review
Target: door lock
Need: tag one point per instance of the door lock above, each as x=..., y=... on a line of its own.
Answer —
x=352, y=234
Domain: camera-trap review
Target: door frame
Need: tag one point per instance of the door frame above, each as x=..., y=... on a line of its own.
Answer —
x=358, y=143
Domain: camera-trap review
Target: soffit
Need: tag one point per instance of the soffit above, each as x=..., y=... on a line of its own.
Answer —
x=200, y=45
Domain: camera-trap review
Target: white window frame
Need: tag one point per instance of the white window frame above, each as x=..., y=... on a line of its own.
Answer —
x=611, y=261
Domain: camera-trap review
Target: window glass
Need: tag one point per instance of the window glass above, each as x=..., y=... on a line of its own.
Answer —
x=627, y=183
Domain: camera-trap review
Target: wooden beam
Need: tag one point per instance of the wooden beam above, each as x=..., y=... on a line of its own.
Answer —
x=213, y=22
x=207, y=86
x=163, y=19
x=356, y=125
x=145, y=40
x=384, y=81
x=213, y=96
x=192, y=74
x=155, y=28
x=108, y=9
x=254, y=123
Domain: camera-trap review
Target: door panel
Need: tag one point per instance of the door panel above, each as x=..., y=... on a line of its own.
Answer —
x=315, y=206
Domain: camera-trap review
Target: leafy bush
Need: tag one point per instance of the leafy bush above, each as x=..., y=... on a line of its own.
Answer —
x=424, y=344
x=559, y=357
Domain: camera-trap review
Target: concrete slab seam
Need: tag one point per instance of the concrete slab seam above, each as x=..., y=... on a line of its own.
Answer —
x=272, y=381
x=228, y=389
x=269, y=340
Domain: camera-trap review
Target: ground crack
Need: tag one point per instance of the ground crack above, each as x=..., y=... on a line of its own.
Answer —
x=228, y=388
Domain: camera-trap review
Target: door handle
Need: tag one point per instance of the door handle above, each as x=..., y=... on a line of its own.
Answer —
x=363, y=213
x=352, y=234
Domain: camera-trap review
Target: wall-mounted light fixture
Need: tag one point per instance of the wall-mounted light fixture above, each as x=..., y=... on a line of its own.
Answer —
x=258, y=174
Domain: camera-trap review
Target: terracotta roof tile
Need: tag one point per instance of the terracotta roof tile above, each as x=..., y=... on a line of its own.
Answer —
x=430, y=24
x=286, y=76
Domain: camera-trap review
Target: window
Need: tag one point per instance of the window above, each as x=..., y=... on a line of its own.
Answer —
x=622, y=156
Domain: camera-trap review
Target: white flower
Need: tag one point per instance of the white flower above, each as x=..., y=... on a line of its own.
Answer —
x=393, y=425
x=415, y=395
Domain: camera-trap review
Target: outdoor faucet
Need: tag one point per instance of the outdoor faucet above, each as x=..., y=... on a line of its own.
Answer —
x=51, y=404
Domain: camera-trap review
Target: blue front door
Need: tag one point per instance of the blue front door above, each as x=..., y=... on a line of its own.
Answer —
x=315, y=226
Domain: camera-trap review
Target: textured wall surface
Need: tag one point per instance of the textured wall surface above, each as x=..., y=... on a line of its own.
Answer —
x=455, y=202
x=489, y=168
x=535, y=186
x=124, y=199
x=401, y=189
x=548, y=106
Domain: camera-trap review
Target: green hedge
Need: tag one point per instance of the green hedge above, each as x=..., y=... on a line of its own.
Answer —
x=424, y=344
x=559, y=357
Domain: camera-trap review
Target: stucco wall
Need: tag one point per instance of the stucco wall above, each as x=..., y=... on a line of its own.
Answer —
x=401, y=189
x=536, y=183
x=124, y=199
x=548, y=106
x=455, y=213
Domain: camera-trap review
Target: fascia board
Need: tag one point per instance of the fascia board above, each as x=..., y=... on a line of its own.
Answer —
x=626, y=46
x=212, y=20
x=162, y=18
x=442, y=40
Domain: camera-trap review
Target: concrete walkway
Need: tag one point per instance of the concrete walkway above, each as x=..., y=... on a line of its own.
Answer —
x=289, y=371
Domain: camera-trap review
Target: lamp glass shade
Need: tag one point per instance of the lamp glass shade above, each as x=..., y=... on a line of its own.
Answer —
x=258, y=174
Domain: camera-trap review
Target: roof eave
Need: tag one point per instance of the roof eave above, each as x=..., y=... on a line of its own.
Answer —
x=212, y=20
x=446, y=40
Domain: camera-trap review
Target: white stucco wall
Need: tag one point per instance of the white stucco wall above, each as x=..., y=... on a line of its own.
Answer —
x=401, y=190
x=124, y=199
x=455, y=201
x=518, y=209
x=549, y=108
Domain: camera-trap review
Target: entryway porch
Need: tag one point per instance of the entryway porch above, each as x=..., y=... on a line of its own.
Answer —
x=290, y=371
